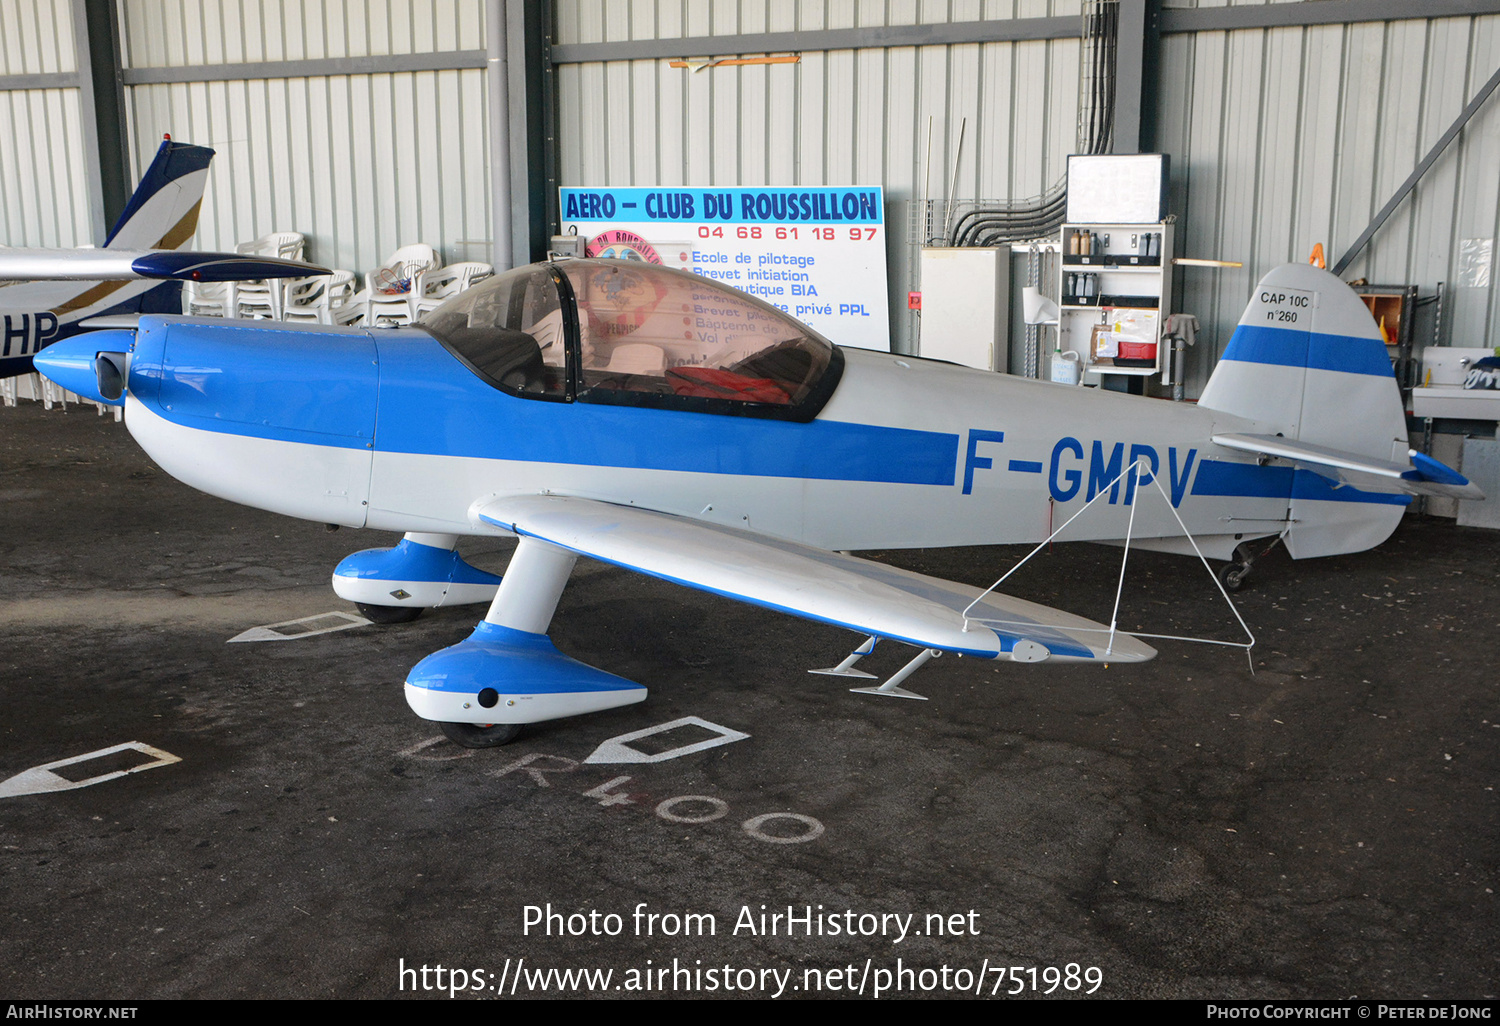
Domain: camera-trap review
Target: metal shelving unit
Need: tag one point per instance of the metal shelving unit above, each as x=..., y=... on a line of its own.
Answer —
x=1116, y=291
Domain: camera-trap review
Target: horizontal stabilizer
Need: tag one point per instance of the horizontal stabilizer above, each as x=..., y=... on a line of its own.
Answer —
x=1422, y=476
x=814, y=583
x=129, y=322
x=153, y=264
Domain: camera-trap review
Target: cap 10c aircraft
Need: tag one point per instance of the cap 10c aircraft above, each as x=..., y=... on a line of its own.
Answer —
x=662, y=422
x=48, y=294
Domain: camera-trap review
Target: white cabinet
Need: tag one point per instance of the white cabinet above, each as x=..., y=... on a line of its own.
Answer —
x=966, y=306
x=1115, y=292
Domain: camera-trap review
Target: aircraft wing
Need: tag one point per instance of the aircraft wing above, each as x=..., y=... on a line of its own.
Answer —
x=131, y=264
x=814, y=583
x=1423, y=476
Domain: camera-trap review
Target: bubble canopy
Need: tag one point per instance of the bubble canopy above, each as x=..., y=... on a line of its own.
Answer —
x=628, y=333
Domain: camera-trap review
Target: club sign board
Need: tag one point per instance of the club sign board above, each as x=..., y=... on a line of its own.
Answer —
x=817, y=253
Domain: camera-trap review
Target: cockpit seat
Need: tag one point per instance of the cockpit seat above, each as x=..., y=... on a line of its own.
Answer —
x=790, y=363
x=713, y=383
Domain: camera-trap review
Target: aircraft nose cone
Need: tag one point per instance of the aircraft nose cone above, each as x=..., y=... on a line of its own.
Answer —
x=70, y=361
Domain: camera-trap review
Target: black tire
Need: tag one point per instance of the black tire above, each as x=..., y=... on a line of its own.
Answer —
x=388, y=614
x=477, y=735
x=1232, y=576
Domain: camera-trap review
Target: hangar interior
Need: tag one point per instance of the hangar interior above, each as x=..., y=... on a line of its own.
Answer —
x=367, y=125
x=1318, y=824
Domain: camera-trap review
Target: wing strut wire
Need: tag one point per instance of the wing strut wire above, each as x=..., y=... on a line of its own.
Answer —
x=1134, y=472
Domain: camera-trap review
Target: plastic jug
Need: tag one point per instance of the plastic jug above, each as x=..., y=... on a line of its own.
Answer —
x=1067, y=368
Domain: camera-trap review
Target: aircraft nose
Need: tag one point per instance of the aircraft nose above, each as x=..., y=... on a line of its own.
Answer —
x=73, y=362
x=311, y=386
x=274, y=417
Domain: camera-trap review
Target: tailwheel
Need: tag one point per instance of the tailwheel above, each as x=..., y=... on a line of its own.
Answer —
x=481, y=735
x=388, y=614
x=1233, y=574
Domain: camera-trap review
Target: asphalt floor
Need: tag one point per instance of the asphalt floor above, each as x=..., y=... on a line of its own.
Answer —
x=1324, y=827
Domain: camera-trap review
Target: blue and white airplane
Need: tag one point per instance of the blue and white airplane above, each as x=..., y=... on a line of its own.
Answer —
x=665, y=423
x=48, y=294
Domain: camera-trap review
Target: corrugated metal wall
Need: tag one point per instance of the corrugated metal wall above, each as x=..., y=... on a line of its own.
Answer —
x=159, y=34
x=846, y=117
x=43, y=188
x=361, y=164
x=835, y=118
x=1287, y=137
x=1279, y=138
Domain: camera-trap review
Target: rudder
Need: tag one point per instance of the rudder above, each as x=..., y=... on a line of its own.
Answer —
x=1308, y=362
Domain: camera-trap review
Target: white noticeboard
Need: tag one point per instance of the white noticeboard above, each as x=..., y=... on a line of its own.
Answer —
x=1129, y=188
x=816, y=253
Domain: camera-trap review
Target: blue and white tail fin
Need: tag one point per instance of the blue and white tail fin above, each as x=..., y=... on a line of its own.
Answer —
x=163, y=211
x=161, y=214
x=1308, y=367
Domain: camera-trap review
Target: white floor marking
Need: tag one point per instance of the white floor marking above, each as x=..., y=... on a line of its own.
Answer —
x=608, y=798
x=416, y=750
x=537, y=773
x=616, y=748
x=719, y=810
x=686, y=809
x=306, y=627
x=41, y=779
x=813, y=832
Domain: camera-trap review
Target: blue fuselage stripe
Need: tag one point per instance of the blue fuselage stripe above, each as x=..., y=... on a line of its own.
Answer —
x=1249, y=480
x=431, y=404
x=1316, y=350
x=1243, y=480
x=1307, y=485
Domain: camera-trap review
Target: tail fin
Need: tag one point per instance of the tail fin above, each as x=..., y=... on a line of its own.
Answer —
x=50, y=302
x=163, y=212
x=1309, y=364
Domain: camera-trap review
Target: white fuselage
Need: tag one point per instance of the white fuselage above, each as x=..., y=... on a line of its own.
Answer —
x=1000, y=460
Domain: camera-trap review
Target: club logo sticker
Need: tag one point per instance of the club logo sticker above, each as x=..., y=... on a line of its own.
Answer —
x=616, y=244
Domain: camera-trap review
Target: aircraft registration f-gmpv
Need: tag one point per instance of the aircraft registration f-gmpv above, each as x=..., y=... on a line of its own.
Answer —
x=662, y=422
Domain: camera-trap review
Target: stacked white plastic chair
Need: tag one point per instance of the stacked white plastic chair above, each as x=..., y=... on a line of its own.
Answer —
x=245, y=298
x=386, y=297
x=430, y=289
x=320, y=299
x=410, y=283
x=265, y=298
x=208, y=299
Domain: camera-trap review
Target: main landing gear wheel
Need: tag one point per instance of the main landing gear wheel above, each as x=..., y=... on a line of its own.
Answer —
x=481, y=735
x=1233, y=574
x=388, y=614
